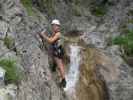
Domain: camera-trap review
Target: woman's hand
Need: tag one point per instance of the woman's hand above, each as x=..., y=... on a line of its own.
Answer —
x=42, y=34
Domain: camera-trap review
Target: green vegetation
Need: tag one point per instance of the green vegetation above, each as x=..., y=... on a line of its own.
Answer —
x=99, y=8
x=28, y=5
x=130, y=12
x=42, y=5
x=49, y=6
x=98, y=11
x=76, y=1
x=125, y=41
x=130, y=21
x=9, y=42
x=13, y=75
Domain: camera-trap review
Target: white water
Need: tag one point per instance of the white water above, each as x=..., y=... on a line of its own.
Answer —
x=73, y=72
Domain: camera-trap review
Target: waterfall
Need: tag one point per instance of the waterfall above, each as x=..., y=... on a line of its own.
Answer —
x=73, y=73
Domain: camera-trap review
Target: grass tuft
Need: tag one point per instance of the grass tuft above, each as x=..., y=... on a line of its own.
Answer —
x=12, y=75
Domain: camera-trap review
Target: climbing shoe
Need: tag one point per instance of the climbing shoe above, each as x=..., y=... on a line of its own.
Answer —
x=63, y=83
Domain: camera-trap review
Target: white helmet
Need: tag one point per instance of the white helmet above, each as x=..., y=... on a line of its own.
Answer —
x=55, y=21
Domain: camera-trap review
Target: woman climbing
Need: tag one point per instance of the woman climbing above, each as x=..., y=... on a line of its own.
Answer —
x=57, y=50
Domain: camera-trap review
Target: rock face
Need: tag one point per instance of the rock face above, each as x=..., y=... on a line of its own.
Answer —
x=103, y=75
x=37, y=83
x=77, y=15
x=116, y=73
x=8, y=93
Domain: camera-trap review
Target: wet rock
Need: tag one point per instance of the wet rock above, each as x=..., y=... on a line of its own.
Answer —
x=104, y=74
x=89, y=86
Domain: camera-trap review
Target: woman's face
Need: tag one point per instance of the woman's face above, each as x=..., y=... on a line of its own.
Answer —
x=55, y=28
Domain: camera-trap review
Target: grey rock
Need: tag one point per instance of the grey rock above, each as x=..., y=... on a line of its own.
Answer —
x=95, y=39
x=37, y=82
x=8, y=92
x=3, y=29
x=114, y=50
x=2, y=76
x=116, y=73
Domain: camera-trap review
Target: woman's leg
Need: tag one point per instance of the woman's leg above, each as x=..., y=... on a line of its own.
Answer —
x=60, y=65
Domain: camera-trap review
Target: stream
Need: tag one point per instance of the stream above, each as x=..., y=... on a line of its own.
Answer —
x=82, y=83
x=73, y=72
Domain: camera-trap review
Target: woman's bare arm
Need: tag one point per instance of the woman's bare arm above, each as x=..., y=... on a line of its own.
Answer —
x=50, y=39
x=53, y=39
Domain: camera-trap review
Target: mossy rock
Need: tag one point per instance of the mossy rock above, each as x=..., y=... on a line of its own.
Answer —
x=130, y=21
x=28, y=5
x=9, y=42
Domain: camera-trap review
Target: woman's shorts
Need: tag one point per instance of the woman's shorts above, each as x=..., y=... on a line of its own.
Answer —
x=58, y=52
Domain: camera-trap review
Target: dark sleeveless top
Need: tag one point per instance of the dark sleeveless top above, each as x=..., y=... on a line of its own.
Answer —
x=57, y=49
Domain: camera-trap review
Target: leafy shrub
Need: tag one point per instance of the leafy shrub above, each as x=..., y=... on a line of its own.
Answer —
x=12, y=75
x=41, y=5
x=126, y=41
x=28, y=5
x=98, y=8
x=98, y=11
